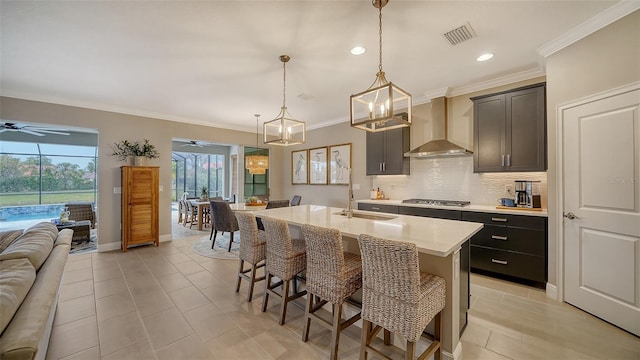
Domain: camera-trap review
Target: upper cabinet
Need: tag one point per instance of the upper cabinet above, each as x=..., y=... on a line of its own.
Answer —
x=510, y=130
x=385, y=152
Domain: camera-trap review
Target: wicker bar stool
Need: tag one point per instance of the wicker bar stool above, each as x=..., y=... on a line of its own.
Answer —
x=332, y=276
x=397, y=297
x=286, y=258
x=253, y=247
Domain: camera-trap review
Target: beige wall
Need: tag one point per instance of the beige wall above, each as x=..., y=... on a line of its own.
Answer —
x=330, y=195
x=113, y=127
x=604, y=60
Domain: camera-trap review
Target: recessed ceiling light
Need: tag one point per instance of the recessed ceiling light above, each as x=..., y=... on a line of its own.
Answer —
x=484, y=57
x=358, y=50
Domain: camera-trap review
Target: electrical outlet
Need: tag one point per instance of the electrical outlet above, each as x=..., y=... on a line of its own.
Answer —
x=508, y=189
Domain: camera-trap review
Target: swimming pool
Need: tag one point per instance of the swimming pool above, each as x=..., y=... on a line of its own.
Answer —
x=30, y=212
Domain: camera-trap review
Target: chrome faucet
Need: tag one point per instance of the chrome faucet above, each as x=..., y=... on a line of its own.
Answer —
x=348, y=212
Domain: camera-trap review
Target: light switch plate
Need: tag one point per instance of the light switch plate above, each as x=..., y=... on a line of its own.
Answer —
x=161, y=188
x=117, y=190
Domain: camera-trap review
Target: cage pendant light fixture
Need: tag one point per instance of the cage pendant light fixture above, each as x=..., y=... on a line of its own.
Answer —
x=284, y=130
x=383, y=106
x=257, y=164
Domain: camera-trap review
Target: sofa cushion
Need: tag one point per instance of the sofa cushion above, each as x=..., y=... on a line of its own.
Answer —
x=22, y=338
x=16, y=278
x=34, y=244
x=7, y=237
x=64, y=237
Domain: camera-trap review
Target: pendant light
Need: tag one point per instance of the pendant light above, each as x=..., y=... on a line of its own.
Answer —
x=257, y=164
x=377, y=108
x=284, y=130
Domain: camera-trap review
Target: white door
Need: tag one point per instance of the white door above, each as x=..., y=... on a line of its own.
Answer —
x=601, y=172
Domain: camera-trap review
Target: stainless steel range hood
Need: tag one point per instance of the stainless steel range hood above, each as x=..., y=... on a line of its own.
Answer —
x=438, y=147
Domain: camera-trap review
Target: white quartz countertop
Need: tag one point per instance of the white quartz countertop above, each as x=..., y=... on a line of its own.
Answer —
x=432, y=236
x=472, y=207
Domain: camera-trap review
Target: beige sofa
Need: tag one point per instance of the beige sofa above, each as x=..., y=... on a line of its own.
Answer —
x=31, y=266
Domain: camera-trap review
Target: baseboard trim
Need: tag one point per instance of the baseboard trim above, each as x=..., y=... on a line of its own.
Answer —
x=552, y=291
x=117, y=246
x=109, y=246
x=457, y=353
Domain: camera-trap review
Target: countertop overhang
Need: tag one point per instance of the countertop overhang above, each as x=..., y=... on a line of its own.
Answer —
x=472, y=207
x=437, y=237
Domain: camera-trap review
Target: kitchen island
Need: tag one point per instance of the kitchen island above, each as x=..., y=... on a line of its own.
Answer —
x=438, y=242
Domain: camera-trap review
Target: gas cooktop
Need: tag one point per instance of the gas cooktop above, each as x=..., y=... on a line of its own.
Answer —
x=437, y=202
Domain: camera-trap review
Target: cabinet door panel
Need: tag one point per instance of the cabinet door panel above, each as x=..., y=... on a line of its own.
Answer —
x=396, y=144
x=526, y=130
x=509, y=263
x=375, y=152
x=489, y=128
x=392, y=209
x=432, y=213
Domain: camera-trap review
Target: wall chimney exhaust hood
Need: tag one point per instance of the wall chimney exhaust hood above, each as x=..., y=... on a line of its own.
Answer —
x=439, y=147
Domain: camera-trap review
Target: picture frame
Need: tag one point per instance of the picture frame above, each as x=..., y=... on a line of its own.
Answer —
x=300, y=167
x=318, y=166
x=339, y=164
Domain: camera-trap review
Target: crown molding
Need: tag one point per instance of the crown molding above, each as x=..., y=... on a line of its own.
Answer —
x=117, y=109
x=499, y=81
x=608, y=16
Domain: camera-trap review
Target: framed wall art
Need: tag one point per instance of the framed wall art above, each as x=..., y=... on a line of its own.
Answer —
x=318, y=166
x=339, y=164
x=299, y=167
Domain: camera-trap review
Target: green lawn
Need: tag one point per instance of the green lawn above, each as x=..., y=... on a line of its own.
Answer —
x=47, y=198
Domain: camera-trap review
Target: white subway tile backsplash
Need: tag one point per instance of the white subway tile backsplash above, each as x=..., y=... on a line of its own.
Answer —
x=454, y=179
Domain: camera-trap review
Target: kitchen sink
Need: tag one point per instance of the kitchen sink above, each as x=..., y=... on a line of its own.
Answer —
x=368, y=216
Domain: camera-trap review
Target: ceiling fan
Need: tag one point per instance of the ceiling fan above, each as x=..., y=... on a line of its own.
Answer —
x=194, y=143
x=30, y=129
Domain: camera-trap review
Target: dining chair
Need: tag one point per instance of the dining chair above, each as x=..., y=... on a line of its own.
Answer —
x=277, y=203
x=193, y=214
x=223, y=220
x=295, y=201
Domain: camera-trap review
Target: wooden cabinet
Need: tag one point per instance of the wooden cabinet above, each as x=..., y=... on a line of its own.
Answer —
x=514, y=246
x=509, y=131
x=385, y=152
x=139, y=205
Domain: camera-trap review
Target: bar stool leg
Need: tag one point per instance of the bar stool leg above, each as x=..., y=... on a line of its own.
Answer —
x=283, y=306
x=267, y=284
x=364, y=339
x=239, y=275
x=251, y=283
x=411, y=350
x=307, y=319
x=335, y=331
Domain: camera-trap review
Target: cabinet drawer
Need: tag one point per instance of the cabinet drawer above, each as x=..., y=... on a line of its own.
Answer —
x=432, y=213
x=393, y=209
x=526, y=241
x=524, y=221
x=509, y=263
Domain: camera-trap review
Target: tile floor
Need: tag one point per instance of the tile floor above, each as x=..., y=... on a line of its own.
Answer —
x=169, y=303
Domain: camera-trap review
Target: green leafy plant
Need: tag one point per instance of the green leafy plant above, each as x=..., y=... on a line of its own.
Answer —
x=204, y=192
x=125, y=148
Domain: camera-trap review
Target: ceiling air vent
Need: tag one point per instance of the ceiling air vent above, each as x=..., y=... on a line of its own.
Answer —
x=460, y=34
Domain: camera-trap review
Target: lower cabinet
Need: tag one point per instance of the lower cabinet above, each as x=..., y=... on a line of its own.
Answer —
x=391, y=209
x=510, y=246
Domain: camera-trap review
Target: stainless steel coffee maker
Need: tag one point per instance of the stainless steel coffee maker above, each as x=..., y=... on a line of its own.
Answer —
x=528, y=194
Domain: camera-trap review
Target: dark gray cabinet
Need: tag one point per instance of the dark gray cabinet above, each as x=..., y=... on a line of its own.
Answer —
x=510, y=246
x=509, y=130
x=385, y=152
x=385, y=208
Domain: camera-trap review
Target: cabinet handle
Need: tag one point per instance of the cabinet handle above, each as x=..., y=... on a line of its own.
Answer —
x=375, y=208
x=380, y=166
x=501, y=262
x=498, y=237
x=502, y=160
x=508, y=159
x=498, y=219
x=384, y=166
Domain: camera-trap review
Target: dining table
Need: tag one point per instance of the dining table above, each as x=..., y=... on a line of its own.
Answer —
x=202, y=205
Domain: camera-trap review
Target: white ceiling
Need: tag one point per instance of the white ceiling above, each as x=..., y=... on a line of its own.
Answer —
x=217, y=62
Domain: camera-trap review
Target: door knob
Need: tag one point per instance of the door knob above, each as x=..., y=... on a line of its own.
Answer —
x=570, y=216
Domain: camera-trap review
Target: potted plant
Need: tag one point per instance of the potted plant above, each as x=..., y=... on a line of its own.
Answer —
x=136, y=150
x=204, y=193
